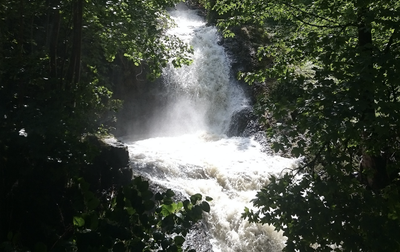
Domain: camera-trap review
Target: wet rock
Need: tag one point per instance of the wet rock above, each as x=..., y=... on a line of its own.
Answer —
x=239, y=50
x=199, y=238
x=240, y=121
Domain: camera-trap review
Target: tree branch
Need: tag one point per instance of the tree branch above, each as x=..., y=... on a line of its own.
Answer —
x=389, y=44
x=325, y=26
x=319, y=17
x=312, y=162
x=309, y=14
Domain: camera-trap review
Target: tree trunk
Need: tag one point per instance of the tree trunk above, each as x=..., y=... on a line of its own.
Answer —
x=20, y=56
x=55, y=29
x=73, y=76
x=373, y=164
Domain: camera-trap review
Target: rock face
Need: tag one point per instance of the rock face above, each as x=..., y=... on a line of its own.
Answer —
x=241, y=50
x=240, y=121
x=110, y=167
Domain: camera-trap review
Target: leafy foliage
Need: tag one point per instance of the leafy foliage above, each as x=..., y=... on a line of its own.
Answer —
x=56, y=58
x=333, y=99
x=330, y=214
x=135, y=219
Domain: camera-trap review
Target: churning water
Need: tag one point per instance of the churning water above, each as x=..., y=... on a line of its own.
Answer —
x=192, y=155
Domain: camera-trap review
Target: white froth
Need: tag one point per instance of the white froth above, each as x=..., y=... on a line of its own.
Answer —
x=230, y=170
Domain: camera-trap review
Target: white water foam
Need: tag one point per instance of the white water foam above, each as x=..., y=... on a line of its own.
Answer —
x=230, y=170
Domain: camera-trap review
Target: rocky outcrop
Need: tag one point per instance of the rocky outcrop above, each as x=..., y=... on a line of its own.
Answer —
x=110, y=166
x=240, y=121
x=242, y=51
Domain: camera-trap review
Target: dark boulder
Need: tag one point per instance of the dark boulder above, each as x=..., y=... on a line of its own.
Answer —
x=239, y=122
x=110, y=166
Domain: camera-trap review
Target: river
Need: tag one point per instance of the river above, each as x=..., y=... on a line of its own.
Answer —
x=188, y=149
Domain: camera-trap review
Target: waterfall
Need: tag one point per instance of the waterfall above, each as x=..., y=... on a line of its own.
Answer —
x=201, y=96
x=190, y=153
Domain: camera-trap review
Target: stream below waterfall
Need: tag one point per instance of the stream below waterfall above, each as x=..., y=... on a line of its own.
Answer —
x=189, y=151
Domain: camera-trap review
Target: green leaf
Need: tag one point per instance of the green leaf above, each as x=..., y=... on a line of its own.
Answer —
x=167, y=201
x=208, y=198
x=187, y=205
x=78, y=221
x=130, y=210
x=158, y=236
x=94, y=221
x=197, y=212
x=149, y=205
x=168, y=209
x=40, y=247
x=196, y=197
x=9, y=235
x=83, y=185
x=158, y=196
x=205, y=206
x=119, y=247
x=93, y=203
x=88, y=195
x=179, y=240
x=166, y=243
x=169, y=193
x=179, y=206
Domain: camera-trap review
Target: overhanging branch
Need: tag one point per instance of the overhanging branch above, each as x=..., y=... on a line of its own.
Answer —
x=325, y=26
x=318, y=17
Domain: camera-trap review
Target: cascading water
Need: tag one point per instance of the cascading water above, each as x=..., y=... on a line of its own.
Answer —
x=192, y=155
x=201, y=96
